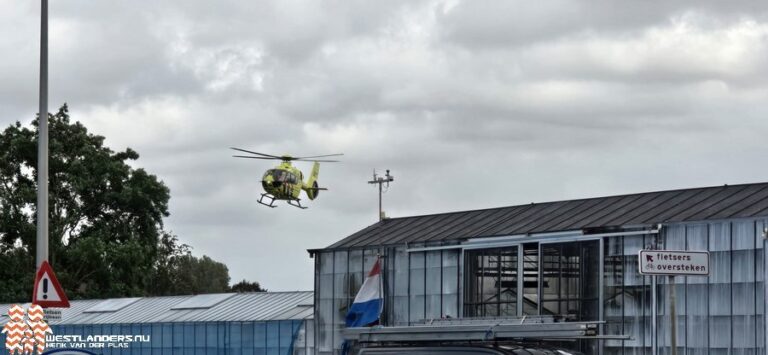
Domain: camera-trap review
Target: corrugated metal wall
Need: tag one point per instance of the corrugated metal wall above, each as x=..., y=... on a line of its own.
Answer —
x=286, y=337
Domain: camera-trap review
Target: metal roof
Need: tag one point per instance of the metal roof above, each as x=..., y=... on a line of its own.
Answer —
x=642, y=209
x=256, y=306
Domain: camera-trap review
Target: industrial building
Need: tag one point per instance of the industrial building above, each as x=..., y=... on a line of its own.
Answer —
x=229, y=323
x=575, y=260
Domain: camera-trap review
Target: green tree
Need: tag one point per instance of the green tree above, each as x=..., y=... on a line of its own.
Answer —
x=106, y=217
x=246, y=286
x=189, y=275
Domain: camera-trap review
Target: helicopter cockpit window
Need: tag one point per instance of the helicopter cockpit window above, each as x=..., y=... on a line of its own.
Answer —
x=292, y=178
x=277, y=175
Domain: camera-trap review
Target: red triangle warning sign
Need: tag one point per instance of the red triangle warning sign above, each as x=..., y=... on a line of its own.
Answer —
x=48, y=292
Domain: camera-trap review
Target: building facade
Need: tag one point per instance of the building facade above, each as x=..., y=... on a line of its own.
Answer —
x=278, y=323
x=577, y=260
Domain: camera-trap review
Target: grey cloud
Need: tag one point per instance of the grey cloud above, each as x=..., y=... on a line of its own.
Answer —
x=471, y=104
x=499, y=24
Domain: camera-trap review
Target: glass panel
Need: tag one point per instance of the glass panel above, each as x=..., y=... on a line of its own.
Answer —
x=450, y=306
x=743, y=264
x=720, y=237
x=287, y=328
x=697, y=296
x=433, y=285
x=417, y=287
x=273, y=338
x=416, y=308
x=401, y=274
x=531, y=279
x=743, y=235
x=113, y=305
x=324, y=318
x=569, y=279
x=340, y=308
x=401, y=310
x=370, y=257
x=674, y=239
x=389, y=286
x=614, y=292
x=203, y=301
x=343, y=293
x=432, y=307
x=720, y=286
x=324, y=308
x=491, y=285
x=211, y=335
x=340, y=262
x=199, y=335
x=450, y=284
x=235, y=333
x=326, y=263
x=635, y=299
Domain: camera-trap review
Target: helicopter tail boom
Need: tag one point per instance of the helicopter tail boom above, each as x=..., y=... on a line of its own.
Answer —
x=312, y=188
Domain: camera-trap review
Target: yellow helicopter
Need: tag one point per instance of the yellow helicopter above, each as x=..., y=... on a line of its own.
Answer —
x=285, y=182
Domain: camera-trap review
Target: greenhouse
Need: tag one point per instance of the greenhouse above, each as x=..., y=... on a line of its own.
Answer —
x=576, y=260
x=243, y=323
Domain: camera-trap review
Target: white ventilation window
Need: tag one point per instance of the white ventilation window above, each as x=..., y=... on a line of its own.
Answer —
x=112, y=305
x=203, y=301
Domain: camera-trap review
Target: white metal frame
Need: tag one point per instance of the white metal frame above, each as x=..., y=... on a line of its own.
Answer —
x=518, y=241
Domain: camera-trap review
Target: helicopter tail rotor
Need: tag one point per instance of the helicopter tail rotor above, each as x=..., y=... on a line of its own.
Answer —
x=313, y=190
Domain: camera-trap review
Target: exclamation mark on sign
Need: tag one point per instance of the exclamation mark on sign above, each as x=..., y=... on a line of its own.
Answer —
x=45, y=289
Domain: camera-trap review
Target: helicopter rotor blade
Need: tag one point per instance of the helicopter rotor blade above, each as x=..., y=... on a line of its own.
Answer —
x=321, y=156
x=318, y=160
x=257, y=153
x=250, y=157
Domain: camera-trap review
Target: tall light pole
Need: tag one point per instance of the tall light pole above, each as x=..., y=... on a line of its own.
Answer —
x=42, y=143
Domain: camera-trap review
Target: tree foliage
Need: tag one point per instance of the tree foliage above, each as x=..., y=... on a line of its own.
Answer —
x=246, y=286
x=180, y=273
x=106, y=220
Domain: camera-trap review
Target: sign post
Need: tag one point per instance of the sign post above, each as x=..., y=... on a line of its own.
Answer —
x=672, y=263
x=672, y=314
x=42, y=143
x=48, y=292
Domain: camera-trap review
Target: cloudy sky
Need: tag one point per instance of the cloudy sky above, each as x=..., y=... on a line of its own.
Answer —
x=471, y=104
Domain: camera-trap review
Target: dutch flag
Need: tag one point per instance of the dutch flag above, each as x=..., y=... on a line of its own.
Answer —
x=366, y=308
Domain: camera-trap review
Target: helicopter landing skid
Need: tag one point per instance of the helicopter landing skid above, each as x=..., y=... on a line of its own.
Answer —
x=297, y=204
x=271, y=200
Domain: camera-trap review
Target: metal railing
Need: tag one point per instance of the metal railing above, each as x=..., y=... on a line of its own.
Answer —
x=481, y=329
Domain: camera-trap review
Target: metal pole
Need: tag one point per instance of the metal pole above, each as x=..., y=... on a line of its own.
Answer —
x=672, y=315
x=42, y=148
x=654, y=338
x=601, y=292
x=380, y=181
x=520, y=280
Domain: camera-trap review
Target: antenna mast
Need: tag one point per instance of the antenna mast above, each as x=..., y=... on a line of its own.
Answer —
x=381, y=180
